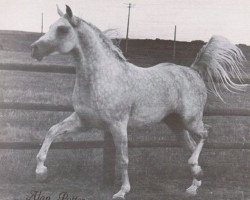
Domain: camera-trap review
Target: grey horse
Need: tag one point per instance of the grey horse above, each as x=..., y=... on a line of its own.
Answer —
x=112, y=94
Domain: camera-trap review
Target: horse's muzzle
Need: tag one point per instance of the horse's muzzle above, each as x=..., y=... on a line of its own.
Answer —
x=35, y=52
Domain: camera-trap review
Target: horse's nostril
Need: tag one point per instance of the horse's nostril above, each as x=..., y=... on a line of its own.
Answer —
x=34, y=46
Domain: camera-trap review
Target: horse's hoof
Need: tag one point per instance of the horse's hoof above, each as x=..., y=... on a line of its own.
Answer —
x=118, y=197
x=191, y=191
x=41, y=173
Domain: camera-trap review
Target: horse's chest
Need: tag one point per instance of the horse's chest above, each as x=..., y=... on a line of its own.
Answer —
x=83, y=101
x=86, y=109
x=91, y=101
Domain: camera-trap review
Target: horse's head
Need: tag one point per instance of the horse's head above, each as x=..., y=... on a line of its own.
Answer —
x=60, y=38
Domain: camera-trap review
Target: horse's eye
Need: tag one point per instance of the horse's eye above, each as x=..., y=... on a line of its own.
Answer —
x=62, y=30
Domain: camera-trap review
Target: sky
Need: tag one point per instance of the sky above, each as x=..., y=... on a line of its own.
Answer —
x=195, y=19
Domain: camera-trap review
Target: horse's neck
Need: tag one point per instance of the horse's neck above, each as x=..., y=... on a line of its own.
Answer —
x=93, y=60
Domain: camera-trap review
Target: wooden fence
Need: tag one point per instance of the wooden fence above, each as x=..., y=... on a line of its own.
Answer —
x=34, y=97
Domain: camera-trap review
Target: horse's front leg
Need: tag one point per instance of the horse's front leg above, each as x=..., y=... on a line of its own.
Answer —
x=119, y=133
x=69, y=125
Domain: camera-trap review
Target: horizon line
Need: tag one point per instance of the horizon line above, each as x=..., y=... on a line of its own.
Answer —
x=33, y=32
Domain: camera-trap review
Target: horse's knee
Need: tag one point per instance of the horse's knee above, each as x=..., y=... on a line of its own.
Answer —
x=203, y=134
x=199, y=129
x=206, y=130
x=124, y=161
x=53, y=129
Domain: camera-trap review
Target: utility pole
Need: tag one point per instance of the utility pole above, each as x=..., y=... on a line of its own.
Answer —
x=42, y=25
x=174, y=42
x=129, y=7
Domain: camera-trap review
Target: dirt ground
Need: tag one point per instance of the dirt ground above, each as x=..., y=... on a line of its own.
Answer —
x=146, y=188
x=79, y=174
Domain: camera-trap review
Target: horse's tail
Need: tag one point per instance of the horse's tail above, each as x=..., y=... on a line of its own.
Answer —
x=219, y=61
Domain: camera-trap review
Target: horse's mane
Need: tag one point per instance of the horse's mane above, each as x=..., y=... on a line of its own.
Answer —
x=106, y=41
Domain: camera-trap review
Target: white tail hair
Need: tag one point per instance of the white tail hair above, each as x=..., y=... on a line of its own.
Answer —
x=219, y=61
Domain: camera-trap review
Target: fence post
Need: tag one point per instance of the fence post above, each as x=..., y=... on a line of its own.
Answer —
x=108, y=159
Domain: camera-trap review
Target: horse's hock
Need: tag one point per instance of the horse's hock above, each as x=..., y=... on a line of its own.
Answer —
x=34, y=97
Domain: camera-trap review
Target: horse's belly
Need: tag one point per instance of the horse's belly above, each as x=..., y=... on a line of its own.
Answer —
x=88, y=115
x=147, y=115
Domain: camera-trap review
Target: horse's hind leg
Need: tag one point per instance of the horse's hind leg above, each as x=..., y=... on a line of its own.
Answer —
x=70, y=124
x=189, y=141
x=175, y=123
x=196, y=126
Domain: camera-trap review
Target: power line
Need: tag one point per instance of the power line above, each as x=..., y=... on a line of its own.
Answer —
x=152, y=4
x=42, y=24
x=174, y=42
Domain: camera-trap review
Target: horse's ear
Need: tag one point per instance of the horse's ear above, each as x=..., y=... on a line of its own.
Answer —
x=69, y=16
x=60, y=13
x=69, y=11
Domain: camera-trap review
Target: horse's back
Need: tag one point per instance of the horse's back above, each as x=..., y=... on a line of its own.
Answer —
x=171, y=77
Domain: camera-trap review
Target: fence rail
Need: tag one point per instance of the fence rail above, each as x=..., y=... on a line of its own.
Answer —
x=65, y=69
x=68, y=108
x=131, y=144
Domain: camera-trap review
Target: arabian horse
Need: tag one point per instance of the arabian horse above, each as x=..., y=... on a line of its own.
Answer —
x=112, y=94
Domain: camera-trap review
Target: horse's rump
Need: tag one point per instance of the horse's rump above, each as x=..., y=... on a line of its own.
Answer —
x=166, y=88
